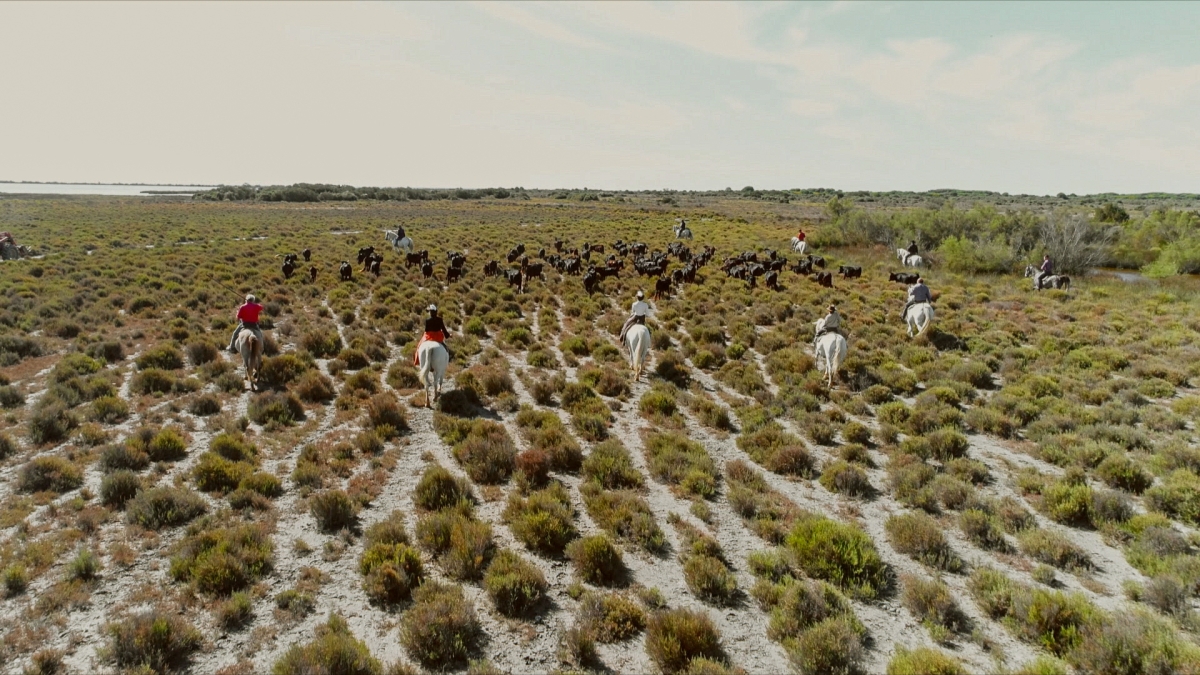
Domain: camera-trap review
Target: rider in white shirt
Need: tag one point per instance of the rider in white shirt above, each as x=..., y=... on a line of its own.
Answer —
x=638, y=313
x=832, y=323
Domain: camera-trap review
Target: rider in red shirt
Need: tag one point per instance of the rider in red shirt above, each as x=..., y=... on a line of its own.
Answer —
x=435, y=329
x=800, y=236
x=247, y=316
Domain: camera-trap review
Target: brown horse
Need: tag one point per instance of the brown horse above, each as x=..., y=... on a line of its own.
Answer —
x=251, y=348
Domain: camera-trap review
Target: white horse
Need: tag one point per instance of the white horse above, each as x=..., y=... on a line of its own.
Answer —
x=799, y=246
x=406, y=243
x=1051, y=281
x=918, y=318
x=914, y=261
x=432, y=358
x=250, y=346
x=901, y=254
x=831, y=349
x=637, y=341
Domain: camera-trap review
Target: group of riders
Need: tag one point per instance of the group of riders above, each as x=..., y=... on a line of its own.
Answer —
x=435, y=327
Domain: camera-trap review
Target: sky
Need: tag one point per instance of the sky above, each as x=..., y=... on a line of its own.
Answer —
x=1035, y=98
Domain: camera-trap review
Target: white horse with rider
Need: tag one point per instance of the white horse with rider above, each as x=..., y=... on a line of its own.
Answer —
x=1047, y=281
x=637, y=341
x=682, y=231
x=432, y=360
x=830, y=350
x=919, y=317
x=404, y=243
x=799, y=245
x=250, y=346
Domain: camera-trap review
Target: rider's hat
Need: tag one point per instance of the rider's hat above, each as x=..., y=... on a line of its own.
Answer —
x=432, y=307
x=640, y=294
x=833, y=308
x=920, y=280
x=251, y=298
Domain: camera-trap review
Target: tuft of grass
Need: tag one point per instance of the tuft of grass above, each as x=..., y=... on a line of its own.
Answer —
x=221, y=560
x=154, y=641
x=543, y=520
x=391, y=569
x=920, y=536
x=235, y=612
x=839, y=553
x=624, y=514
x=514, y=584
x=333, y=510
x=597, y=560
x=334, y=649
x=161, y=507
x=682, y=463
x=846, y=478
x=831, y=646
x=983, y=529
x=439, y=489
x=118, y=487
x=49, y=473
x=1053, y=548
x=440, y=630
x=931, y=601
x=611, y=617
x=924, y=661
x=678, y=637
x=610, y=465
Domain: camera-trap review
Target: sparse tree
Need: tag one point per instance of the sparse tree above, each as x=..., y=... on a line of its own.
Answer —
x=1076, y=244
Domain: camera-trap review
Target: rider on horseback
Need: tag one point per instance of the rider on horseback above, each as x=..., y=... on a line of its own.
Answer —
x=800, y=235
x=638, y=314
x=912, y=247
x=435, y=329
x=1044, y=272
x=917, y=293
x=399, y=233
x=832, y=323
x=247, y=316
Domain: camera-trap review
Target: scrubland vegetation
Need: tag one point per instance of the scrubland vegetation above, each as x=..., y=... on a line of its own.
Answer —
x=1015, y=491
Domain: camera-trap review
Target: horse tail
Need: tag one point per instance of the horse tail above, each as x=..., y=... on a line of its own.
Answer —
x=424, y=364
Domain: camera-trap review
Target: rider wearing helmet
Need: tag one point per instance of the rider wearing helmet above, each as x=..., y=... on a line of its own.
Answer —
x=832, y=323
x=638, y=314
x=435, y=329
x=247, y=316
x=917, y=293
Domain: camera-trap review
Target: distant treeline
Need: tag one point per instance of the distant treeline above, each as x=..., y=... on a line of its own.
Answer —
x=321, y=192
x=983, y=238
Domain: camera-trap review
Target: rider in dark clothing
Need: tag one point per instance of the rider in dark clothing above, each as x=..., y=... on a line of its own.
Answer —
x=399, y=232
x=434, y=324
x=912, y=247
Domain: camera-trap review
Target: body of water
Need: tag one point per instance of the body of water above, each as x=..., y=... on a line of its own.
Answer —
x=98, y=189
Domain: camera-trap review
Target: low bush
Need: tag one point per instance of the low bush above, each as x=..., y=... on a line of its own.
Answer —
x=154, y=641
x=1053, y=548
x=846, y=478
x=624, y=514
x=200, y=352
x=481, y=446
x=118, y=457
x=597, y=560
x=50, y=423
x=161, y=507
x=221, y=560
x=204, y=405
x=931, y=601
x=610, y=465
x=924, y=661
x=675, y=638
x=168, y=445
x=49, y=473
x=439, y=489
x=920, y=536
x=333, y=510
x=515, y=585
x=611, y=617
x=163, y=357
x=383, y=410
x=839, y=553
x=235, y=612
x=323, y=343
x=1068, y=503
x=118, y=487
x=108, y=410
x=314, y=387
x=440, y=630
x=462, y=544
x=778, y=450
x=682, y=463
x=215, y=473
x=391, y=570
x=275, y=407
x=334, y=649
x=543, y=521
x=1178, y=496
x=982, y=529
x=1134, y=642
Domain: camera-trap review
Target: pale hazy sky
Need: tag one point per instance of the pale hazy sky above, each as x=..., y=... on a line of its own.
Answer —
x=1037, y=97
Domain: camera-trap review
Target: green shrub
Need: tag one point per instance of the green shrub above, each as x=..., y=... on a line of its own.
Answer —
x=168, y=445
x=1178, y=496
x=543, y=521
x=200, y=352
x=982, y=529
x=215, y=473
x=1119, y=471
x=392, y=571
x=204, y=405
x=611, y=617
x=675, y=638
x=920, y=536
x=16, y=579
x=265, y=484
x=50, y=423
x=120, y=457
x=108, y=410
x=84, y=567
x=610, y=465
x=515, y=585
x=831, y=646
x=440, y=630
x=49, y=473
x=439, y=489
x=314, y=387
x=778, y=450
x=462, y=544
x=1053, y=548
x=1067, y=503
x=383, y=410
x=219, y=561
x=845, y=478
x=839, y=553
x=682, y=463
x=931, y=601
x=161, y=507
x=485, y=451
x=333, y=650
x=154, y=640
x=624, y=514
x=163, y=357
x=333, y=510
x=924, y=661
x=280, y=371
x=322, y=343
x=279, y=408
x=1134, y=643
x=118, y=487
x=597, y=560
x=235, y=612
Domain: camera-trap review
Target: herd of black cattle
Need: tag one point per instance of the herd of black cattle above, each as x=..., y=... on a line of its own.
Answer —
x=748, y=266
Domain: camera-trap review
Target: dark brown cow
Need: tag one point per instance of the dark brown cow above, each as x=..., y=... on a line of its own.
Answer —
x=307, y=254
x=346, y=271
x=312, y=273
x=427, y=269
x=662, y=287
